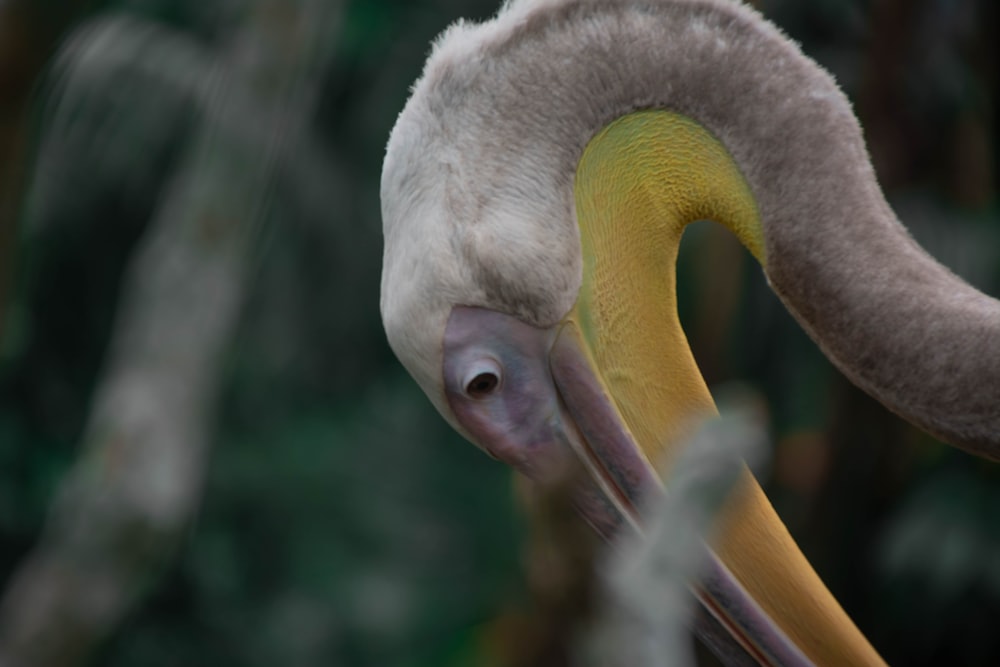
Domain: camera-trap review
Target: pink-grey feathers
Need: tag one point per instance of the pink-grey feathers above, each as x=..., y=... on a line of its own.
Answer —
x=477, y=194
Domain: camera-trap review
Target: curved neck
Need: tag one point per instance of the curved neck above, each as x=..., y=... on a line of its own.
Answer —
x=897, y=323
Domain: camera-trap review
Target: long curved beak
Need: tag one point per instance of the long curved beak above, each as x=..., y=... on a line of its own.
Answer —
x=733, y=624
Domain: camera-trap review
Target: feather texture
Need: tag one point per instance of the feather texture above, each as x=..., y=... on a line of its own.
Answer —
x=478, y=194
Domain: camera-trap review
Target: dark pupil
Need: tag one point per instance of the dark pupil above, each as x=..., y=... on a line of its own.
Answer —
x=482, y=384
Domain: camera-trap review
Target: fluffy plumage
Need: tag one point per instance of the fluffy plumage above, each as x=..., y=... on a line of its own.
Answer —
x=478, y=192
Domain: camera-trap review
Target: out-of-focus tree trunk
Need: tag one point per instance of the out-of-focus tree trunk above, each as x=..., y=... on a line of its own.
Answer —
x=122, y=510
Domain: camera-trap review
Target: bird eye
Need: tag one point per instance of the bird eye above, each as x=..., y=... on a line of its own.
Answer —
x=482, y=385
x=483, y=380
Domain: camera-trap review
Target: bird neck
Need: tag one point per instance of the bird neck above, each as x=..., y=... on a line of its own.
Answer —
x=640, y=181
x=893, y=320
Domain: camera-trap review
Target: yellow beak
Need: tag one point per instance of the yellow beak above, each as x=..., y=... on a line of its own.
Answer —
x=640, y=181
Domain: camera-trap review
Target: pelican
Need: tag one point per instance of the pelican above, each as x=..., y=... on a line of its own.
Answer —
x=534, y=192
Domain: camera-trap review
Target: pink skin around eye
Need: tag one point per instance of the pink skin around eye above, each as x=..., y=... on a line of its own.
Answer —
x=524, y=422
x=517, y=422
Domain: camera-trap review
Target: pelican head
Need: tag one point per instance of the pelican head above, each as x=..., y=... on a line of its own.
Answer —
x=534, y=191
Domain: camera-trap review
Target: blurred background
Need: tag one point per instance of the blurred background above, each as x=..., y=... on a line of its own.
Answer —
x=330, y=517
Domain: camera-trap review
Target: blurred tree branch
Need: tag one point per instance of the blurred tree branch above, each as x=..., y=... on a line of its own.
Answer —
x=28, y=36
x=630, y=603
x=647, y=613
x=123, y=507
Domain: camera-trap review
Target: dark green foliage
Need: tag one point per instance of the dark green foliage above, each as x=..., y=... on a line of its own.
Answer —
x=368, y=534
x=343, y=523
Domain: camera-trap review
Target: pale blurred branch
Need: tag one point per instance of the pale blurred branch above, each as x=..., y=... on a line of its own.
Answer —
x=122, y=509
x=646, y=612
x=28, y=36
x=631, y=604
x=123, y=94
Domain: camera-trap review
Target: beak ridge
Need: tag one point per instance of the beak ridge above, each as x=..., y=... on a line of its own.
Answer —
x=733, y=622
x=607, y=447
